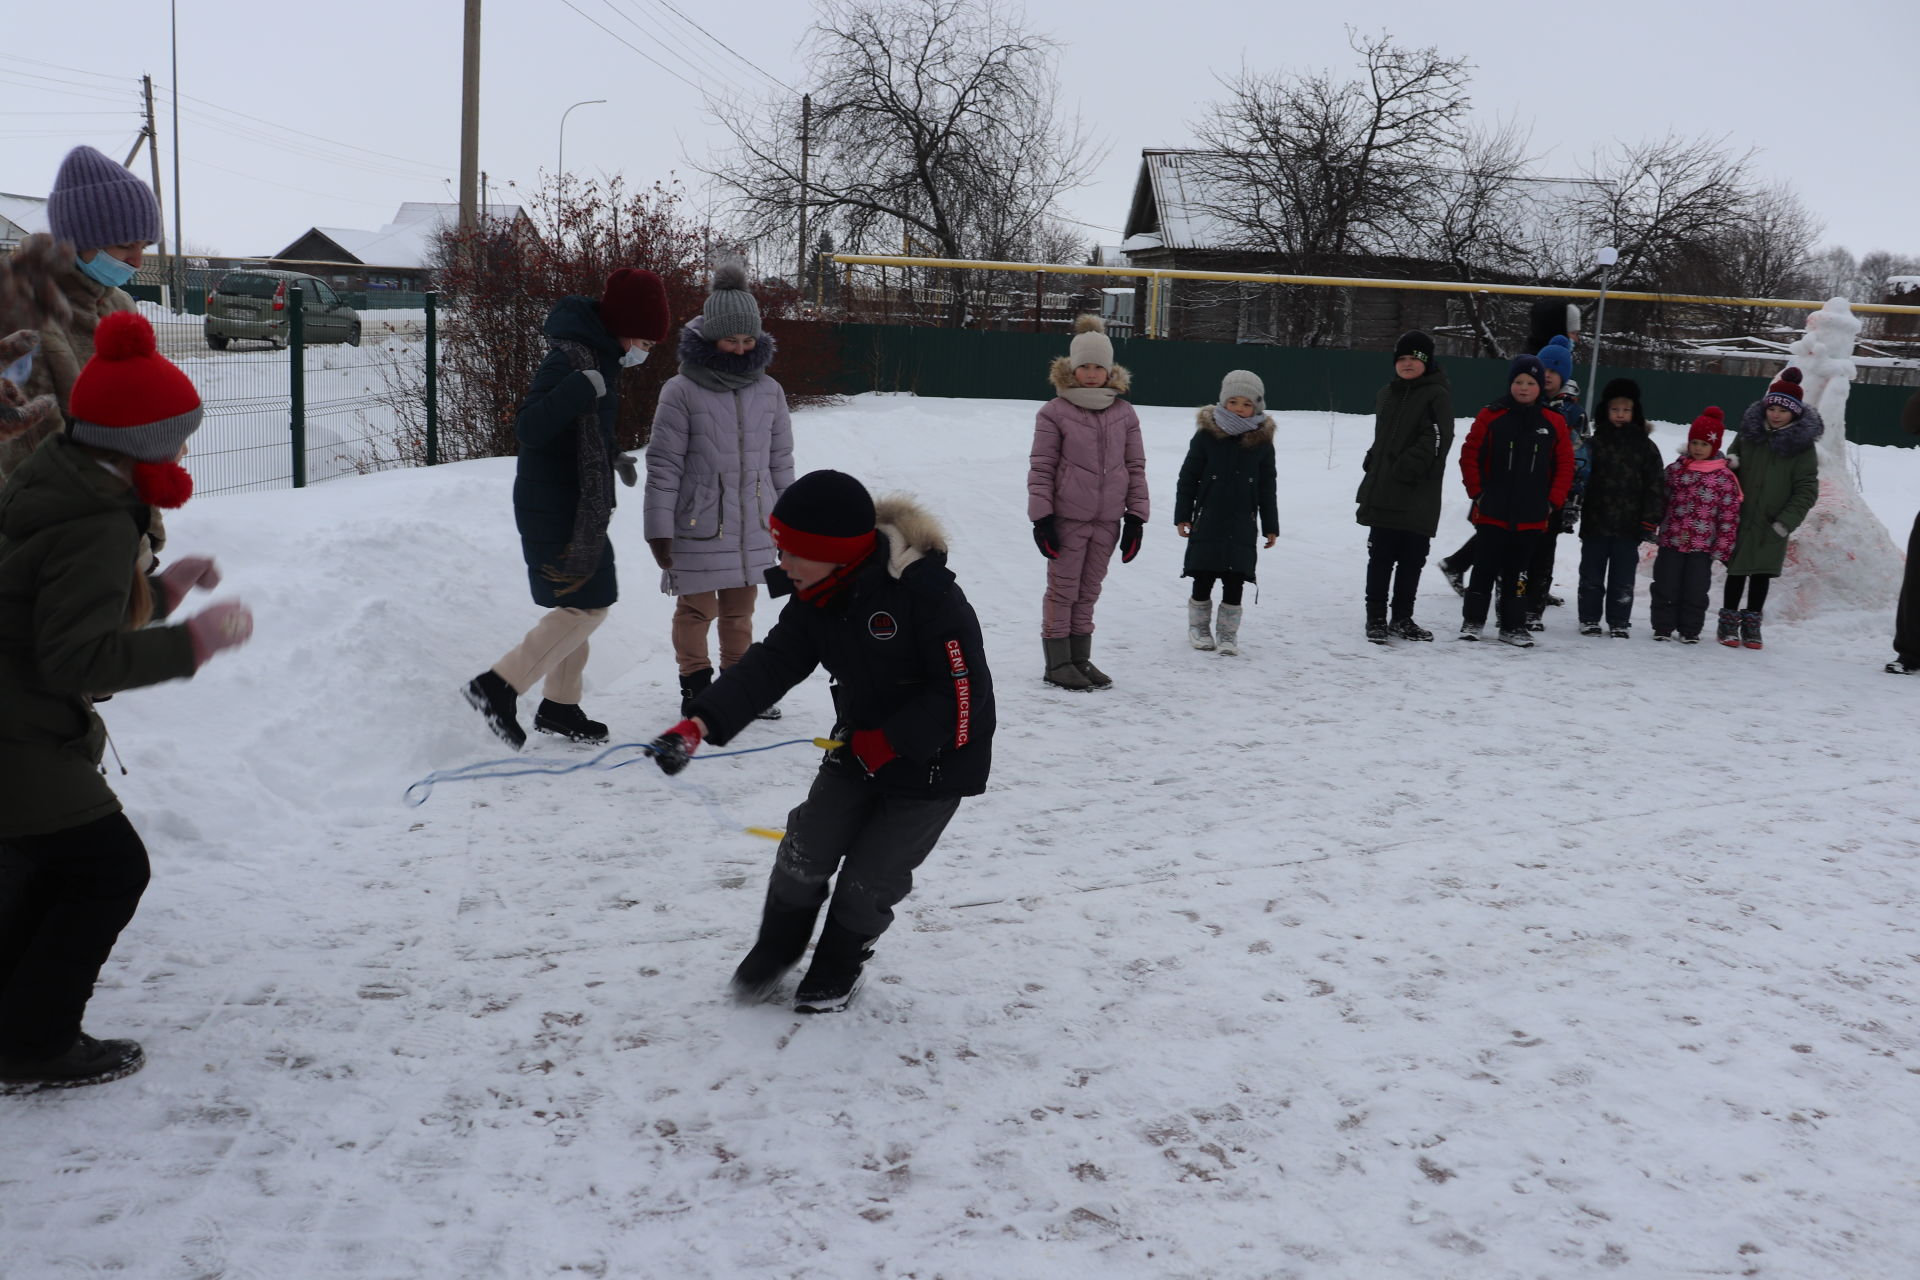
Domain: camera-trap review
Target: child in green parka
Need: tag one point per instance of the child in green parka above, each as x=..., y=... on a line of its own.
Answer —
x=1227, y=480
x=1779, y=471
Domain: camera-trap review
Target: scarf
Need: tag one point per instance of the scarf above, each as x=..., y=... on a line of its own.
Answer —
x=1093, y=398
x=1232, y=423
x=706, y=365
x=580, y=560
x=1706, y=464
x=828, y=589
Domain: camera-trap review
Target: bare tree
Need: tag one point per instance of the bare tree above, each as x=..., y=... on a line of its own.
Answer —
x=935, y=122
x=1769, y=255
x=1482, y=219
x=1314, y=168
x=1663, y=204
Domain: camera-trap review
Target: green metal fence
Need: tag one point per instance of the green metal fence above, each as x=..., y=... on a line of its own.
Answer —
x=1013, y=366
x=291, y=411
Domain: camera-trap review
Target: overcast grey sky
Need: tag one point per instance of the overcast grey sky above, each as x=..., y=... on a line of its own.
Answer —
x=1828, y=92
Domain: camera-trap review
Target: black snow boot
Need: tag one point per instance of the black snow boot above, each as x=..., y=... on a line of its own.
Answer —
x=692, y=685
x=784, y=934
x=567, y=720
x=87, y=1061
x=1408, y=629
x=499, y=705
x=834, y=976
x=1377, y=632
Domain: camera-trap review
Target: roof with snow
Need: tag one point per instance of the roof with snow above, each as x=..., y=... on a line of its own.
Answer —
x=407, y=241
x=21, y=216
x=1177, y=203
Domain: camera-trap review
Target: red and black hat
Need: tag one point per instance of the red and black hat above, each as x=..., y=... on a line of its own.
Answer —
x=1786, y=392
x=825, y=516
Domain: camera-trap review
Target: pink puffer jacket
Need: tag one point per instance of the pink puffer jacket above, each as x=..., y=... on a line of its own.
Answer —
x=1087, y=465
x=1703, y=508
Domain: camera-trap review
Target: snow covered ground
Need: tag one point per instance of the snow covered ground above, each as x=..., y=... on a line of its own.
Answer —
x=1324, y=961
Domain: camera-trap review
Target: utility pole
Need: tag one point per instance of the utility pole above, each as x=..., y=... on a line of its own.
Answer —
x=152, y=136
x=470, y=117
x=806, y=148
x=179, y=273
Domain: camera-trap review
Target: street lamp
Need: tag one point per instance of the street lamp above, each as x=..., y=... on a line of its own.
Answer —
x=560, y=166
x=1603, y=259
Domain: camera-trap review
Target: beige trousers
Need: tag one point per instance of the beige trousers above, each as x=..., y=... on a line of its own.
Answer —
x=694, y=615
x=554, y=651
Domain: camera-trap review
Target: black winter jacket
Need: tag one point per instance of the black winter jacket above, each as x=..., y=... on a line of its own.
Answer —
x=546, y=480
x=903, y=647
x=1627, y=486
x=1226, y=483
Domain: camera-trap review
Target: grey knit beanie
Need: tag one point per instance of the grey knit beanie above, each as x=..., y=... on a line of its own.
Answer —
x=1242, y=382
x=95, y=202
x=730, y=308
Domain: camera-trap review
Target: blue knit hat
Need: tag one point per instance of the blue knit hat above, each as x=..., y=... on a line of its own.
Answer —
x=1557, y=355
x=1529, y=365
x=95, y=203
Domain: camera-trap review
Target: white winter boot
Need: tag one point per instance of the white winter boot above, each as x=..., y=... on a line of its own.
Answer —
x=1200, y=623
x=1228, y=629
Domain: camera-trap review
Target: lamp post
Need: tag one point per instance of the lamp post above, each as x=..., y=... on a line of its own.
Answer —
x=560, y=166
x=1603, y=259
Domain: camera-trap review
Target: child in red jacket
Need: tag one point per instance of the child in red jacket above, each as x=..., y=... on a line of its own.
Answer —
x=1518, y=468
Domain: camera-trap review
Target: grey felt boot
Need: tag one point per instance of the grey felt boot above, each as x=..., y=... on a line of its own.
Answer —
x=1227, y=629
x=1060, y=668
x=1200, y=623
x=1081, y=647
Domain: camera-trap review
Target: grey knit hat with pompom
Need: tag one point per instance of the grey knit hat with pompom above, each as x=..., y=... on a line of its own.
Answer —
x=730, y=308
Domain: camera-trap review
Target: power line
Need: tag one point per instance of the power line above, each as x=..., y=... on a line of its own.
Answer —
x=642, y=52
x=694, y=60
x=675, y=10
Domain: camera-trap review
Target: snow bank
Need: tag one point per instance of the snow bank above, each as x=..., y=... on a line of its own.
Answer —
x=1324, y=961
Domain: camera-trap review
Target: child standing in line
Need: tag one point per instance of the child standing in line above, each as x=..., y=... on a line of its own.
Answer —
x=1399, y=495
x=1780, y=476
x=1518, y=466
x=1626, y=496
x=1561, y=395
x=1086, y=494
x=1702, y=520
x=1227, y=480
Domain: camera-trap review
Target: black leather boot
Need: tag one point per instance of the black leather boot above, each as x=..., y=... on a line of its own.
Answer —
x=784, y=933
x=833, y=979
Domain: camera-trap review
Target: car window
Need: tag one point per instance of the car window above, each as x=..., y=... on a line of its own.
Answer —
x=248, y=284
x=321, y=294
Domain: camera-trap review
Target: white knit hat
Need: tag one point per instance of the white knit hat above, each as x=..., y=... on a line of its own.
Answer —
x=1090, y=343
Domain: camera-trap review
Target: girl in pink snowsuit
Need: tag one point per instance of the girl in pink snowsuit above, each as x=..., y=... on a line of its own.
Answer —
x=1086, y=494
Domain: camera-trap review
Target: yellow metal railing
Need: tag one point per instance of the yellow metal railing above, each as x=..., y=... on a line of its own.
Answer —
x=1154, y=276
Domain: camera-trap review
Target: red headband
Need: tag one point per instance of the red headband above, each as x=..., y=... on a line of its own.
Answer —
x=820, y=546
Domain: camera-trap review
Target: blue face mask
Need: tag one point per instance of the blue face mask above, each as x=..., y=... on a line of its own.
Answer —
x=632, y=358
x=105, y=269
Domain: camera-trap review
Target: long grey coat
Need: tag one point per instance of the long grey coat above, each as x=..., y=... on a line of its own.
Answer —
x=717, y=462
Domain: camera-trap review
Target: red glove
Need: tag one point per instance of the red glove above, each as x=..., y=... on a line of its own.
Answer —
x=871, y=749
x=673, y=749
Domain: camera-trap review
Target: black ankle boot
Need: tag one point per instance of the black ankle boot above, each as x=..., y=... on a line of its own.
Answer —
x=834, y=976
x=567, y=720
x=497, y=704
x=784, y=934
x=692, y=685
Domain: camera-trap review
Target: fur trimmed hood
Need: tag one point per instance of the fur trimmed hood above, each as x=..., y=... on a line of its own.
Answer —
x=1251, y=439
x=1796, y=437
x=912, y=531
x=696, y=349
x=1060, y=374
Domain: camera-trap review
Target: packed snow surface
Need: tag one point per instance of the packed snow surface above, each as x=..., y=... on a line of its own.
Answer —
x=1326, y=960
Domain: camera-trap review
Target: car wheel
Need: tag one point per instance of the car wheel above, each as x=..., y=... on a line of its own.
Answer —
x=217, y=341
x=353, y=335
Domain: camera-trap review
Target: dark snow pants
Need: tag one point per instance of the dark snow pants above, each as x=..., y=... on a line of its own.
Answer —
x=1607, y=567
x=1539, y=568
x=1906, y=619
x=873, y=838
x=1232, y=587
x=1500, y=558
x=1680, y=582
x=1394, y=560
x=64, y=898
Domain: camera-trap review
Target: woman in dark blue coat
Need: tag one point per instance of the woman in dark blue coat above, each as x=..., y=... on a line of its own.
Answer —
x=563, y=500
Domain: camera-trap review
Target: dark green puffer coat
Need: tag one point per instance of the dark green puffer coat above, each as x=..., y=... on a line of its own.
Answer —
x=69, y=540
x=1225, y=483
x=1412, y=434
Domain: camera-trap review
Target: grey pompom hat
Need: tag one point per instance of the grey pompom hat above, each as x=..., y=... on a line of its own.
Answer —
x=730, y=308
x=1243, y=382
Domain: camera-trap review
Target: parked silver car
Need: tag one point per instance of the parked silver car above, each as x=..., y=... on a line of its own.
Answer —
x=255, y=305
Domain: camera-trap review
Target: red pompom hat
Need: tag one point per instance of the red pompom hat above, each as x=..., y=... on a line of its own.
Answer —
x=1711, y=426
x=634, y=305
x=1786, y=392
x=132, y=400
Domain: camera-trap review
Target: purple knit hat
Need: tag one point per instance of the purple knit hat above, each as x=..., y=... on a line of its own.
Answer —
x=95, y=202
